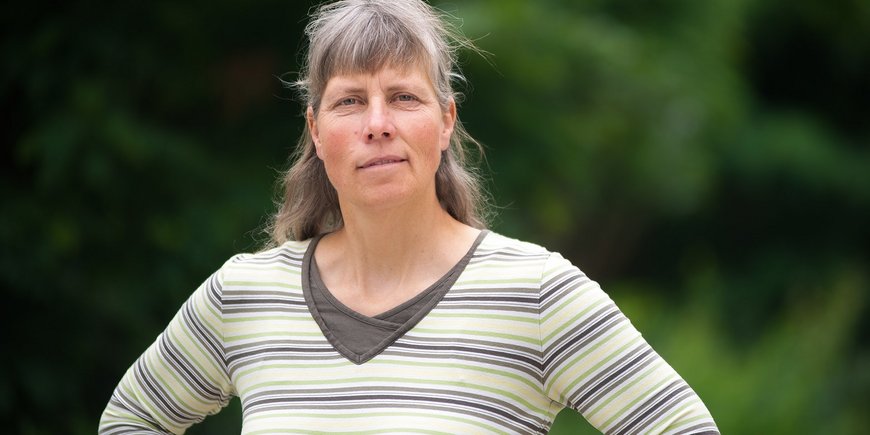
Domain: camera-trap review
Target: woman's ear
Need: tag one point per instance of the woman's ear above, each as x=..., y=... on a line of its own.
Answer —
x=312, y=129
x=449, y=121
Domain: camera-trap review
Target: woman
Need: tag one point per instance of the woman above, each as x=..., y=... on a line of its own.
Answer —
x=384, y=307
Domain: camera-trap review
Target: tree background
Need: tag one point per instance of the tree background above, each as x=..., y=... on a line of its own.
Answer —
x=707, y=162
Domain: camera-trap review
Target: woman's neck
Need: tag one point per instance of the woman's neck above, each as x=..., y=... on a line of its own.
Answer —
x=379, y=260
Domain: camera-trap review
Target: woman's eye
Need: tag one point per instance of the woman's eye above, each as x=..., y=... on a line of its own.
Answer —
x=348, y=101
x=405, y=98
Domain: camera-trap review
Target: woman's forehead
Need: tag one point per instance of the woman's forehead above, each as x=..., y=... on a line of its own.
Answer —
x=402, y=76
x=403, y=64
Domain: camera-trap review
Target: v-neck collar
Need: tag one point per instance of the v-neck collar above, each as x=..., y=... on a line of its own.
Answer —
x=435, y=293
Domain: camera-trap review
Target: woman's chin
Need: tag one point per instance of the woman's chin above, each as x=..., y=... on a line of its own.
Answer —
x=385, y=197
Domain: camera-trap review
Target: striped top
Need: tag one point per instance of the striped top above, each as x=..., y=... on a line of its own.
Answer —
x=520, y=335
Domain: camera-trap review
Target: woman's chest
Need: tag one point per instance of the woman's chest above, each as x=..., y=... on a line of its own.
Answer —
x=458, y=370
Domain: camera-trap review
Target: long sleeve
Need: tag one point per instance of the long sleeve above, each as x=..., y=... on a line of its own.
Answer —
x=597, y=363
x=181, y=378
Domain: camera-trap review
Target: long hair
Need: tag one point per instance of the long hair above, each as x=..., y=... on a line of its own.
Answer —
x=363, y=36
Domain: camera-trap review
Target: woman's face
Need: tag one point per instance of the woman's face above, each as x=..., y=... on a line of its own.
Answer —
x=380, y=136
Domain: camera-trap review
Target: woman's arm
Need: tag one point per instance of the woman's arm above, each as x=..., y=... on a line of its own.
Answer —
x=597, y=363
x=181, y=378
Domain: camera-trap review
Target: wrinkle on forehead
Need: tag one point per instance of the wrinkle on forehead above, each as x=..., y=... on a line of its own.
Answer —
x=388, y=79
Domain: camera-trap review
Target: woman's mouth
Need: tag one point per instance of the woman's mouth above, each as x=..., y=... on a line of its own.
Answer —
x=381, y=161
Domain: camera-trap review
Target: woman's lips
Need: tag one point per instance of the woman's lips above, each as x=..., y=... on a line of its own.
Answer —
x=381, y=161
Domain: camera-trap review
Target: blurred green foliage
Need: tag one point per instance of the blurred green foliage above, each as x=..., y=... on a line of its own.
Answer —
x=708, y=162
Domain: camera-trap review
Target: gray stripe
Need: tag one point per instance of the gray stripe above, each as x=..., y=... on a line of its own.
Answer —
x=500, y=423
x=315, y=352
x=159, y=397
x=530, y=351
x=655, y=412
x=561, y=286
x=581, y=335
x=261, y=294
x=527, y=367
x=706, y=428
x=607, y=380
x=183, y=367
x=367, y=397
x=283, y=255
x=634, y=418
x=500, y=308
x=468, y=289
x=211, y=344
x=120, y=399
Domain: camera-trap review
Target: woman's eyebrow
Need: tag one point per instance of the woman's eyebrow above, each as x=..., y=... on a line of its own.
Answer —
x=405, y=86
x=347, y=89
x=353, y=88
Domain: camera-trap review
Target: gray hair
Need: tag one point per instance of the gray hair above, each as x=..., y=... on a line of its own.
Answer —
x=360, y=36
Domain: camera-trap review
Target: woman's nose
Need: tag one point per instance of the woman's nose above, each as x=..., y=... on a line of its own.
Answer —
x=379, y=122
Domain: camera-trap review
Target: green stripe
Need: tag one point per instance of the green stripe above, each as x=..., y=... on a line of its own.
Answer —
x=273, y=334
x=477, y=316
x=393, y=382
x=581, y=356
x=617, y=393
x=576, y=294
x=454, y=332
x=276, y=366
x=687, y=421
x=497, y=281
x=524, y=379
x=633, y=403
x=263, y=284
x=255, y=268
x=573, y=321
x=279, y=318
x=367, y=415
x=203, y=368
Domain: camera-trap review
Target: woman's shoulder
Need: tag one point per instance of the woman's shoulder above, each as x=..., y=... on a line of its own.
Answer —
x=496, y=245
x=287, y=256
x=496, y=242
x=500, y=251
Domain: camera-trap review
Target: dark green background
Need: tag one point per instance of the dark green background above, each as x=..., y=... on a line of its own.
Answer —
x=706, y=161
